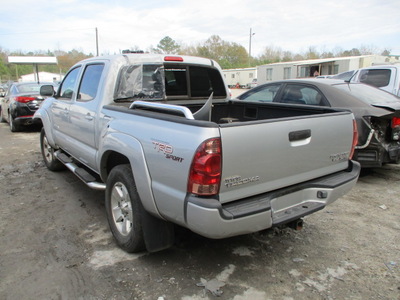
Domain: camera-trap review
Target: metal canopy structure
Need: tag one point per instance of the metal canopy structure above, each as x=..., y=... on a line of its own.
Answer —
x=34, y=60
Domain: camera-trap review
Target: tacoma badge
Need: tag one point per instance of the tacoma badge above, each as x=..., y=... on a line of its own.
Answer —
x=238, y=180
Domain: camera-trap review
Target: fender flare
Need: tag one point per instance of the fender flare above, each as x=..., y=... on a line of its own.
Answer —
x=131, y=148
x=43, y=115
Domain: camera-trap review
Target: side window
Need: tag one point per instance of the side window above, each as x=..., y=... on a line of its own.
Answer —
x=300, y=94
x=287, y=72
x=262, y=94
x=66, y=89
x=90, y=82
x=375, y=77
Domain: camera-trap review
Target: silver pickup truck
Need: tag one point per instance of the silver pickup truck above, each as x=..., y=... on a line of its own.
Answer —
x=161, y=136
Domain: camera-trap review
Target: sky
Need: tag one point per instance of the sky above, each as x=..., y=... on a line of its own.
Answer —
x=290, y=25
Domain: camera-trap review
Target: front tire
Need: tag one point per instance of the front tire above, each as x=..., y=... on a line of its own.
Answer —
x=124, y=209
x=51, y=162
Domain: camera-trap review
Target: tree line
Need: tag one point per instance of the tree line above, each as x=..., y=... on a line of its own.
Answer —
x=229, y=55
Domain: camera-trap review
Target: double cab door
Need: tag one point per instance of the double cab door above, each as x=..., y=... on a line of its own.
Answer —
x=74, y=112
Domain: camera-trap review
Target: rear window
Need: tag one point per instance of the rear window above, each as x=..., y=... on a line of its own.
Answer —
x=169, y=81
x=375, y=77
x=140, y=82
x=193, y=82
x=26, y=88
x=368, y=94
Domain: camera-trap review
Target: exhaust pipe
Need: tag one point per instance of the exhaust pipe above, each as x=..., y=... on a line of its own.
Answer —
x=296, y=224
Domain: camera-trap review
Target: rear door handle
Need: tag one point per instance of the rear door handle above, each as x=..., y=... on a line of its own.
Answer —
x=89, y=117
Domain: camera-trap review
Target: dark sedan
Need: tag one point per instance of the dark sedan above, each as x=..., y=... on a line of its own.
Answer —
x=20, y=103
x=377, y=112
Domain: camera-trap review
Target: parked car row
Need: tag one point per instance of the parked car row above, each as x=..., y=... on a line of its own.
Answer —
x=20, y=103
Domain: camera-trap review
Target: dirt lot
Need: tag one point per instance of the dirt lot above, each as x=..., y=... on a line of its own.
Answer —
x=55, y=244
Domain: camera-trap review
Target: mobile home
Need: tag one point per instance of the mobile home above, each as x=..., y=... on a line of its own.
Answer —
x=239, y=77
x=314, y=67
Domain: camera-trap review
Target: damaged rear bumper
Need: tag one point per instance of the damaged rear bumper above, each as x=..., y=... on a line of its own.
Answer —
x=208, y=217
x=376, y=156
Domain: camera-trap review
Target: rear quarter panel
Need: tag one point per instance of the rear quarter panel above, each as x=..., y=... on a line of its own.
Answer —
x=168, y=148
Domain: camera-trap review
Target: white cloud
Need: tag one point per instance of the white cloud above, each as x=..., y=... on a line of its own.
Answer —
x=292, y=25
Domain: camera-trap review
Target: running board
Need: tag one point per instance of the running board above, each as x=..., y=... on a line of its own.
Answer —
x=81, y=173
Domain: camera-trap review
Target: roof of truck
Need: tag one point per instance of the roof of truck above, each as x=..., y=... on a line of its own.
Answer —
x=156, y=58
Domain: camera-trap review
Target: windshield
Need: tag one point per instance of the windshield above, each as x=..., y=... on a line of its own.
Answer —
x=368, y=94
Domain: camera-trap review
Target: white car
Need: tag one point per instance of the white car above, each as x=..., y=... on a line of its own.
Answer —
x=252, y=84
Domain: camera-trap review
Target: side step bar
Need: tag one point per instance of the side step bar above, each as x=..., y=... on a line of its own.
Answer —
x=81, y=173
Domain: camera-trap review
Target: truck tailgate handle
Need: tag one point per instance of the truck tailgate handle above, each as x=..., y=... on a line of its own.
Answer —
x=299, y=135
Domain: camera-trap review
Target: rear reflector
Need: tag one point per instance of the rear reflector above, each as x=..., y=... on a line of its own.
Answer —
x=205, y=172
x=24, y=99
x=173, y=58
x=355, y=139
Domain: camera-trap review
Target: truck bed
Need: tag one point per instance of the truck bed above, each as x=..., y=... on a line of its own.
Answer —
x=235, y=111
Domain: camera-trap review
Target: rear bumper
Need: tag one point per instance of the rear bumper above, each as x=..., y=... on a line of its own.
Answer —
x=27, y=120
x=373, y=157
x=208, y=217
x=23, y=115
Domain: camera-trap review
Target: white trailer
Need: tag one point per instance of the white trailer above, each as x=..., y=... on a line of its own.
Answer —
x=240, y=78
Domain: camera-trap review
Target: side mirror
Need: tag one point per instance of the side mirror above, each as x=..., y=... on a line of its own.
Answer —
x=47, y=90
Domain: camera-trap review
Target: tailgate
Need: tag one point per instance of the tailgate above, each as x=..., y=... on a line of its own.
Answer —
x=266, y=156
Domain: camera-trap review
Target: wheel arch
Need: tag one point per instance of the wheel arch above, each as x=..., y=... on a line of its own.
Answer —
x=42, y=114
x=117, y=149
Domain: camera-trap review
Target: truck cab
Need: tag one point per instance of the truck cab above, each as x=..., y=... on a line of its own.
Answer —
x=385, y=77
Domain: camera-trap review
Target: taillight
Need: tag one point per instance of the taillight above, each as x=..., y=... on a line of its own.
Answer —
x=395, y=129
x=355, y=139
x=173, y=58
x=23, y=99
x=205, y=171
x=395, y=122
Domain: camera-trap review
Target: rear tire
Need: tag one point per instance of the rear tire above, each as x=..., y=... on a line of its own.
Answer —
x=123, y=208
x=2, y=120
x=14, y=127
x=51, y=162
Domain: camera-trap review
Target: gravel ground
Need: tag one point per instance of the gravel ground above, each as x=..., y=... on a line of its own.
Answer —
x=55, y=244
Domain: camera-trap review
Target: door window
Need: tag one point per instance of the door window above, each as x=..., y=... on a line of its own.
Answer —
x=66, y=90
x=262, y=94
x=90, y=82
x=301, y=94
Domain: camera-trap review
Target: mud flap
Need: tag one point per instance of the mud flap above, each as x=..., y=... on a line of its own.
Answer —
x=158, y=234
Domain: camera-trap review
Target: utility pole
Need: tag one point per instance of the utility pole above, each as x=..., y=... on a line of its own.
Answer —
x=251, y=34
x=97, y=42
